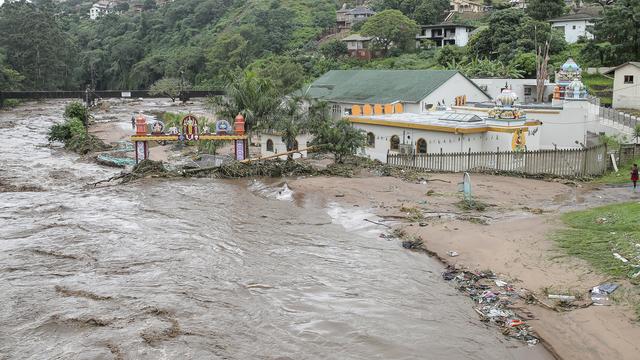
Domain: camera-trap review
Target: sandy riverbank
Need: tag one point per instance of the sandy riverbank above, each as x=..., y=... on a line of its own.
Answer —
x=514, y=244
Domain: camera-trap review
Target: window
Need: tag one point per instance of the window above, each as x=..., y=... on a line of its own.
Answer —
x=270, y=145
x=527, y=91
x=421, y=146
x=574, y=27
x=336, y=109
x=628, y=79
x=371, y=139
x=295, y=145
x=395, y=142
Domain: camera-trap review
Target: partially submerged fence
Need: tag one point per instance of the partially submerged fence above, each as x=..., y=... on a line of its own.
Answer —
x=560, y=162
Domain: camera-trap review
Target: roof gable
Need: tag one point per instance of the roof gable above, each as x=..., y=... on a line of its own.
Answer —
x=378, y=86
x=633, y=63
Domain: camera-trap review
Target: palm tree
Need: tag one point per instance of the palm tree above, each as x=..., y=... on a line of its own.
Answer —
x=250, y=95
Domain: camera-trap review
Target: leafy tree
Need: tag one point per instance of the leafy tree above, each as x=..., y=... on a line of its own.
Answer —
x=509, y=33
x=9, y=78
x=424, y=12
x=545, y=9
x=450, y=53
x=526, y=63
x=171, y=87
x=285, y=75
x=620, y=26
x=333, y=49
x=390, y=27
x=248, y=94
x=35, y=44
x=339, y=138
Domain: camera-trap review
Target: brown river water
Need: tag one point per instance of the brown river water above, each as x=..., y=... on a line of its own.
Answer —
x=207, y=269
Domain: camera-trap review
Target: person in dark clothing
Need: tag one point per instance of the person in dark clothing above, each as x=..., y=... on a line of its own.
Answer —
x=634, y=175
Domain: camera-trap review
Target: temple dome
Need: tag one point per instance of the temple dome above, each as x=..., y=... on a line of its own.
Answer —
x=570, y=66
x=507, y=97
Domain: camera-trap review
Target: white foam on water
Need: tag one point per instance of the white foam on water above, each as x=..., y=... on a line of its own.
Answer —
x=355, y=220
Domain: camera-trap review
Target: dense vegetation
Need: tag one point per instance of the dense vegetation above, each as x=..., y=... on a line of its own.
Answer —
x=47, y=45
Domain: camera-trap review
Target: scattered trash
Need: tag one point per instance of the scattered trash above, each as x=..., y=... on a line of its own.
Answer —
x=423, y=224
x=452, y=253
x=412, y=244
x=601, y=220
x=339, y=195
x=566, y=298
x=607, y=288
x=430, y=192
x=620, y=257
x=494, y=303
x=500, y=283
x=599, y=294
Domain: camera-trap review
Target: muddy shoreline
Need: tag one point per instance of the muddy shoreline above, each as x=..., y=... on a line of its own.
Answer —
x=514, y=243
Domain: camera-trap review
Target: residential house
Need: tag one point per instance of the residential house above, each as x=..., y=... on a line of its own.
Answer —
x=467, y=6
x=444, y=34
x=574, y=26
x=626, y=85
x=360, y=47
x=346, y=18
x=101, y=8
x=518, y=4
x=393, y=91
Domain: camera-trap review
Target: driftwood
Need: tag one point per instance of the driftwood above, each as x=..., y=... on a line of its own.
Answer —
x=378, y=223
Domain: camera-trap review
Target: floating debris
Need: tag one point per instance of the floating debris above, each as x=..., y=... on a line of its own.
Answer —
x=494, y=297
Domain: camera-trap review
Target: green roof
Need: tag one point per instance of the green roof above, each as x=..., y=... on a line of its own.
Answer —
x=378, y=86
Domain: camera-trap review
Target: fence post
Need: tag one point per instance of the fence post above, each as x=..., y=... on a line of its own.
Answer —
x=555, y=159
x=469, y=160
x=441, y=157
x=498, y=158
x=585, y=152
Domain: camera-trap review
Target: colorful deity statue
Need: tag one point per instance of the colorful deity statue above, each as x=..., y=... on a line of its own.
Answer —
x=157, y=128
x=575, y=90
x=506, y=108
x=190, y=127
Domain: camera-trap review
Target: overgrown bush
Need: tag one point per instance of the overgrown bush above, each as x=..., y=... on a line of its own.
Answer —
x=10, y=103
x=76, y=110
x=340, y=138
x=73, y=132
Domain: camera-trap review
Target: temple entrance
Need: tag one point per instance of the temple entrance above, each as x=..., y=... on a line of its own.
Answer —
x=189, y=131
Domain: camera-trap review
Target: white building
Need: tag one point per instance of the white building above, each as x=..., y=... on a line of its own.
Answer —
x=525, y=89
x=393, y=91
x=445, y=34
x=271, y=143
x=574, y=26
x=101, y=8
x=444, y=131
x=462, y=6
x=626, y=85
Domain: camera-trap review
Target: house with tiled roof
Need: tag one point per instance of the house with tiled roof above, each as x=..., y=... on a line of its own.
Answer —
x=415, y=91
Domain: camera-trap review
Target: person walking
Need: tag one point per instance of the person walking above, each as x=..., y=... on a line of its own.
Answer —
x=634, y=175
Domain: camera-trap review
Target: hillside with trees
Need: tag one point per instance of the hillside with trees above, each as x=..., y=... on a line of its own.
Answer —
x=52, y=45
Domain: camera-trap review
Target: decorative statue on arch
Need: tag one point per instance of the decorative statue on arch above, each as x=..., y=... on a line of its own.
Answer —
x=190, y=127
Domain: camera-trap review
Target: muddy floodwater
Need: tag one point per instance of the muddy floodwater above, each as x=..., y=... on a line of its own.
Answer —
x=207, y=269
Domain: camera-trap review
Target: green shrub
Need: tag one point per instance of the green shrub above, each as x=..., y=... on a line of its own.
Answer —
x=10, y=103
x=76, y=110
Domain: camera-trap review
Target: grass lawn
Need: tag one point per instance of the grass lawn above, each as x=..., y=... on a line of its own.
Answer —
x=600, y=86
x=596, y=234
x=623, y=176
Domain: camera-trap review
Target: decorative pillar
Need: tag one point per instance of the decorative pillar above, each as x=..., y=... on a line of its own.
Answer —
x=240, y=149
x=142, y=147
x=142, y=151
